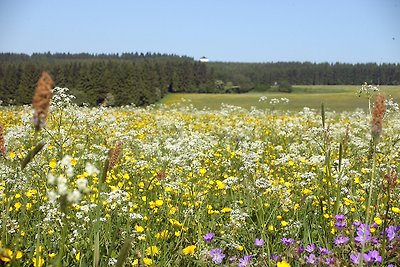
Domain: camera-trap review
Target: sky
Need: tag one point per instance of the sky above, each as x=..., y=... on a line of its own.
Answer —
x=346, y=31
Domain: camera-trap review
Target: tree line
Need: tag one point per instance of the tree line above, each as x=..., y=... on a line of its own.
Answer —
x=142, y=79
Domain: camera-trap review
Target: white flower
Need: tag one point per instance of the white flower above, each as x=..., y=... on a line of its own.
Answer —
x=91, y=169
x=62, y=189
x=74, y=196
x=82, y=184
x=52, y=195
x=51, y=179
x=66, y=161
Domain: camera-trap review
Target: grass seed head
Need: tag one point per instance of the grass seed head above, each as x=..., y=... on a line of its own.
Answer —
x=2, y=142
x=113, y=155
x=378, y=112
x=41, y=100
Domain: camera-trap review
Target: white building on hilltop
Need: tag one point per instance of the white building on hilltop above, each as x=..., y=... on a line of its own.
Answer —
x=204, y=59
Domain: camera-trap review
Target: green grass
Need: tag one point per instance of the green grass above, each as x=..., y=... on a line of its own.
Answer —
x=335, y=97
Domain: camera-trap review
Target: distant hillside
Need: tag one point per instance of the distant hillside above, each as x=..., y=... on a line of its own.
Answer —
x=143, y=79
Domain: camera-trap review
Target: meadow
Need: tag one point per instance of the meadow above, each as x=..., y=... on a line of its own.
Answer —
x=335, y=98
x=175, y=185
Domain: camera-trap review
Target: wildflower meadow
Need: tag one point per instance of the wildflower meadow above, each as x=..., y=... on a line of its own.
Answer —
x=177, y=186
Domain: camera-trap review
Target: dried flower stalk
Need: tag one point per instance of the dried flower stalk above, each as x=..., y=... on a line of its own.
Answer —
x=113, y=155
x=2, y=142
x=378, y=112
x=41, y=100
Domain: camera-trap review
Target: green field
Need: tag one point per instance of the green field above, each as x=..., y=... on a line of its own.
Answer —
x=335, y=97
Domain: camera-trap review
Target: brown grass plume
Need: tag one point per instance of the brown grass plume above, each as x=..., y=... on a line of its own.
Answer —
x=114, y=155
x=41, y=100
x=378, y=112
x=2, y=142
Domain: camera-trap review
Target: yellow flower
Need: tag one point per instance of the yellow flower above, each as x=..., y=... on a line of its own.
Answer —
x=202, y=171
x=11, y=154
x=139, y=228
x=39, y=262
x=78, y=256
x=159, y=202
x=284, y=223
x=7, y=255
x=162, y=234
x=378, y=220
x=135, y=262
x=220, y=185
x=189, y=250
x=152, y=251
x=17, y=205
x=283, y=264
x=53, y=163
x=240, y=248
x=147, y=261
x=396, y=210
x=225, y=210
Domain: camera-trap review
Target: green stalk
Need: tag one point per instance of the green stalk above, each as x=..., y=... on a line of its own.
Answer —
x=96, y=237
x=371, y=186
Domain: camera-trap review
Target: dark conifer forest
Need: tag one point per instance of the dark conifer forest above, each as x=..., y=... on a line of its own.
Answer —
x=142, y=79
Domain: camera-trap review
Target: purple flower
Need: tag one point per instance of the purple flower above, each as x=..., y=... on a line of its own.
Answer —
x=372, y=256
x=217, y=255
x=275, y=257
x=208, y=237
x=259, y=242
x=355, y=259
x=245, y=261
x=324, y=251
x=356, y=223
x=329, y=261
x=310, y=248
x=340, y=240
x=390, y=232
x=363, y=234
x=300, y=249
x=340, y=224
x=340, y=217
x=312, y=259
x=287, y=241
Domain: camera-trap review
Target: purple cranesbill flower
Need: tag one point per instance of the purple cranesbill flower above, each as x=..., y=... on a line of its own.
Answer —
x=217, y=255
x=300, y=249
x=287, y=241
x=311, y=259
x=340, y=224
x=310, y=248
x=355, y=259
x=340, y=217
x=372, y=256
x=275, y=257
x=259, y=242
x=363, y=234
x=390, y=232
x=245, y=261
x=208, y=237
x=340, y=240
x=329, y=261
x=324, y=251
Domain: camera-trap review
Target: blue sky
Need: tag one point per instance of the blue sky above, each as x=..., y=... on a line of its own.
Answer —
x=348, y=31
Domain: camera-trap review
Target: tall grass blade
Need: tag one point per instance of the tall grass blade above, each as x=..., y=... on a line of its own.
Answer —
x=32, y=153
x=123, y=253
